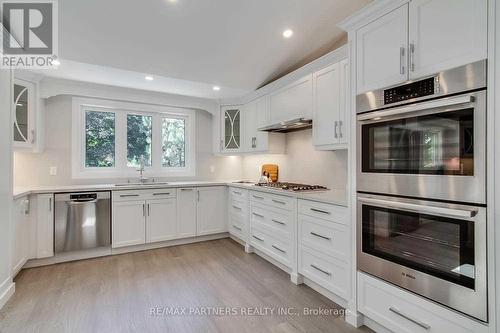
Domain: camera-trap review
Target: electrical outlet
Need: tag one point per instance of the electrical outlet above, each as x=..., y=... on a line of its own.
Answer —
x=53, y=171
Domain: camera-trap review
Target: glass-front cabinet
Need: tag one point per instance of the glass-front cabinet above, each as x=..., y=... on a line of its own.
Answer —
x=24, y=114
x=231, y=129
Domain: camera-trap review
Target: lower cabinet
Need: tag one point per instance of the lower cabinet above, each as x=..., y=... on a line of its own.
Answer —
x=186, y=212
x=149, y=216
x=129, y=223
x=22, y=231
x=238, y=225
x=211, y=210
x=161, y=220
x=44, y=225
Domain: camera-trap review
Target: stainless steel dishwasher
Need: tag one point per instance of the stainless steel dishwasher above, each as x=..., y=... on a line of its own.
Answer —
x=82, y=221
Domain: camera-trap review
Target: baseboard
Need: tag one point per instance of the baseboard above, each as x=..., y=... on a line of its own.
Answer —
x=7, y=289
x=373, y=325
x=325, y=292
x=103, y=252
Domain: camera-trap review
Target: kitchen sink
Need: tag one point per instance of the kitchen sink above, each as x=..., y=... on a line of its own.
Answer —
x=141, y=184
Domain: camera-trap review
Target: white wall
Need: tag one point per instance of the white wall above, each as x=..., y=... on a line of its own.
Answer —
x=301, y=163
x=6, y=285
x=33, y=169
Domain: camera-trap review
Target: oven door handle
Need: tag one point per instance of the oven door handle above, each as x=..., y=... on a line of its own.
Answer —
x=417, y=107
x=457, y=213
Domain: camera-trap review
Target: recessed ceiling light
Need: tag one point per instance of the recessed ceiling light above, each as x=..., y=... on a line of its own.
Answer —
x=56, y=62
x=216, y=88
x=287, y=33
x=149, y=78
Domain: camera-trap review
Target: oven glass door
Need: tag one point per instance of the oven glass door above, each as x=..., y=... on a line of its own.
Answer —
x=440, y=143
x=439, y=246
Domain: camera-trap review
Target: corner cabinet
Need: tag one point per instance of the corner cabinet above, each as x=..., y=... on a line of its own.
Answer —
x=27, y=117
x=231, y=129
x=330, y=97
x=418, y=39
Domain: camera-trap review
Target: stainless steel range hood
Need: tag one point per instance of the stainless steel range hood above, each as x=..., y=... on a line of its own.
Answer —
x=288, y=126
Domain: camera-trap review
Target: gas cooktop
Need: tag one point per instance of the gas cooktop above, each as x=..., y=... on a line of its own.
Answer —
x=293, y=187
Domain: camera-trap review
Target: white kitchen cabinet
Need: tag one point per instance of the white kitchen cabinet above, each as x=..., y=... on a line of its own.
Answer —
x=211, y=210
x=161, y=220
x=445, y=34
x=330, y=87
x=238, y=223
x=255, y=116
x=381, y=55
x=27, y=117
x=129, y=223
x=293, y=101
x=186, y=212
x=231, y=129
x=45, y=225
x=21, y=246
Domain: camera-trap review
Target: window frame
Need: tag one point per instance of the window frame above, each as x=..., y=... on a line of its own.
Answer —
x=121, y=110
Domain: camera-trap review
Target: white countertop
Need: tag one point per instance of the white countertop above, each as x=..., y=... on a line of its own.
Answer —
x=336, y=197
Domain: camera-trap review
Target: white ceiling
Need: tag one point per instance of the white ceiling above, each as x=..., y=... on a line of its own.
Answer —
x=236, y=44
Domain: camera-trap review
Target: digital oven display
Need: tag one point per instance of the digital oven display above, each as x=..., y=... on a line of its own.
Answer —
x=409, y=91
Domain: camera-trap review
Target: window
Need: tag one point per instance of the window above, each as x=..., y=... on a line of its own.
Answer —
x=173, y=142
x=139, y=139
x=99, y=139
x=111, y=138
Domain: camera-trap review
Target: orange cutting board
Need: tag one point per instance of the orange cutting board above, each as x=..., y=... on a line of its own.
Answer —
x=272, y=170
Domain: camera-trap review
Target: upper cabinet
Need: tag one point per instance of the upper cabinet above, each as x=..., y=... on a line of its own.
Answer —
x=381, y=51
x=446, y=34
x=231, y=129
x=293, y=101
x=419, y=39
x=27, y=124
x=330, y=87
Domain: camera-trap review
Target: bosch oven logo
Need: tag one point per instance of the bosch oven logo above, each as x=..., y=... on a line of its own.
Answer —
x=408, y=275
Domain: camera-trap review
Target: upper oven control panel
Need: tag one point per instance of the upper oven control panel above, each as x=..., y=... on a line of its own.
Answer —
x=410, y=91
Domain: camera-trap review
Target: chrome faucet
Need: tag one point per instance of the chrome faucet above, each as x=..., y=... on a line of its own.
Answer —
x=142, y=166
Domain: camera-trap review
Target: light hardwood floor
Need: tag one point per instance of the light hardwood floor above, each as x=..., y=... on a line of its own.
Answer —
x=117, y=293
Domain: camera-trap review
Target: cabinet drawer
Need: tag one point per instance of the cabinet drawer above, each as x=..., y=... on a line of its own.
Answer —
x=333, y=213
x=401, y=311
x=279, y=250
x=325, y=236
x=238, y=208
x=237, y=226
x=153, y=194
x=271, y=200
x=238, y=194
x=277, y=224
x=326, y=271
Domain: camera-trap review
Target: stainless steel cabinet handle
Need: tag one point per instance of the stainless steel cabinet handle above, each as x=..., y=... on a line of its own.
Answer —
x=340, y=129
x=166, y=193
x=257, y=238
x=50, y=204
x=320, y=211
x=321, y=270
x=412, y=57
x=255, y=142
x=149, y=210
x=236, y=207
x=236, y=227
x=320, y=236
x=256, y=197
x=279, y=202
x=128, y=195
x=401, y=60
x=144, y=210
x=277, y=248
x=279, y=222
x=186, y=189
x=198, y=198
x=415, y=321
x=258, y=215
x=236, y=192
x=336, y=135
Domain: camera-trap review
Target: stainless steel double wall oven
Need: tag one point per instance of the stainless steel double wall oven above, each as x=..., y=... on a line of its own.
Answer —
x=421, y=182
